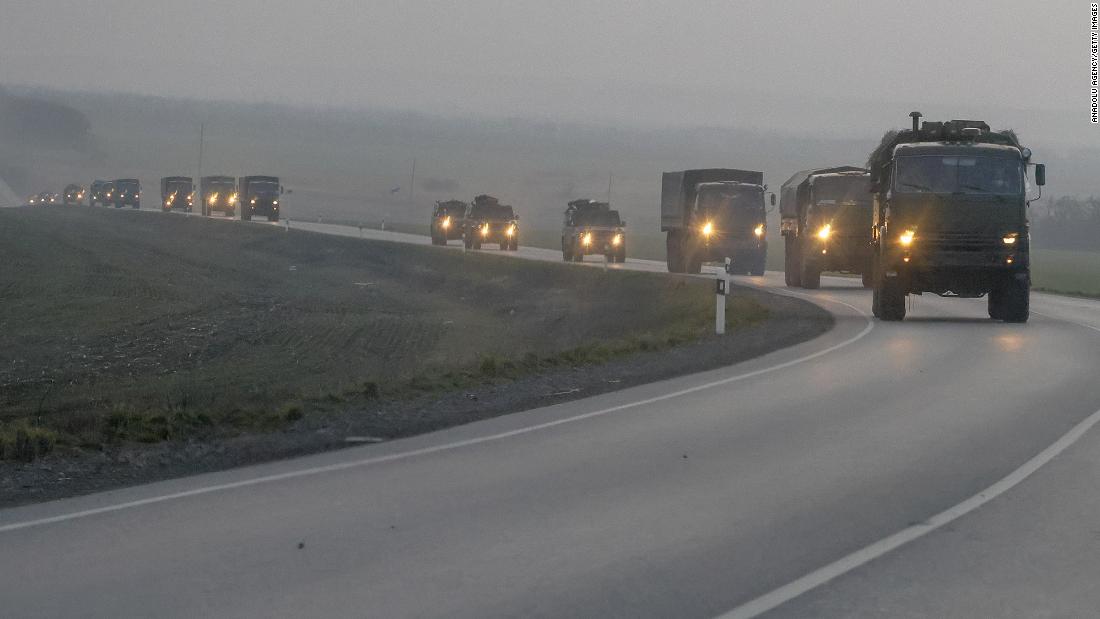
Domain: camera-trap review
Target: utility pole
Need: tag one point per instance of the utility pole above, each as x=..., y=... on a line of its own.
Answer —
x=610, y=175
x=412, y=180
x=202, y=199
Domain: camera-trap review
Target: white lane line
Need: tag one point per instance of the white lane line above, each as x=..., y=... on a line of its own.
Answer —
x=820, y=576
x=15, y=526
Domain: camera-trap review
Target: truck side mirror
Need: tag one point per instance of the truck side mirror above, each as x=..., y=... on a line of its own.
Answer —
x=622, y=224
x=773, y=199
x=1040, y=174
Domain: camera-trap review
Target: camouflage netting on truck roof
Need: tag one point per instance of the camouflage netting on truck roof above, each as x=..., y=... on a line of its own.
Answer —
x=950, y=131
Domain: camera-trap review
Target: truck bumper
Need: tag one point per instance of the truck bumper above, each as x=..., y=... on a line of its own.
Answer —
x=737, y=249
x=841, y=255
x=968, y=273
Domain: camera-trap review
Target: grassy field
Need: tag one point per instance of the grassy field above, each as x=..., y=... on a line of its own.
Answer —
x=129, y=326
x=1067, y=272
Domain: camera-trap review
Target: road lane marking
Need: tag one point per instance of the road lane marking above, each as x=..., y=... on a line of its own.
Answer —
x=786, y=593
x=1072, y=322
x=15, y=526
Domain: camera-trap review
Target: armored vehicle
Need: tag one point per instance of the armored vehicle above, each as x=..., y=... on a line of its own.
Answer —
x=446, y=224
x=714, y=214
x=177, y=192
x=950, y=217
x=592, y=227
x=825, y=220
x=218, y=193
x=126, y=192
x=489, y=221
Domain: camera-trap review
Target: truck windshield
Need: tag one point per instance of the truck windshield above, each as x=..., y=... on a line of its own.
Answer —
x=716, y=201
x=950, y=174
x=178, y=186
x=263, y=187
x=597, y=218
x=491, y=211
x=842, y=190
x=126, y=185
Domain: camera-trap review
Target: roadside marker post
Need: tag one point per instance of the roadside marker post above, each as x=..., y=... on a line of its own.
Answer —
x=721, y=289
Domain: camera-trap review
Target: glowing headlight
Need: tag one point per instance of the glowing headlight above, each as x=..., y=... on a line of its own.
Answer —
x=511, y=231
x=233, y=199
x=587, y=238
x=446, y=223
x=825, y=231
x=253, y=200
x=708, y=229
x=617, y=240
x=758, y=230
x=1010, y=239
x=213, y=198
x=906, y=238
x=485, y=230
x=274, y=203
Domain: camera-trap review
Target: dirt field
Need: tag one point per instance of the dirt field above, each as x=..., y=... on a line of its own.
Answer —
x=121, y=329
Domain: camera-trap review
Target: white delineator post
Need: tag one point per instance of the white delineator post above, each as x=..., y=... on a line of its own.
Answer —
x=721, y=289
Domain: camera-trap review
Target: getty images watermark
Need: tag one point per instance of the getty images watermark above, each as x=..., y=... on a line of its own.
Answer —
x=1095, y=7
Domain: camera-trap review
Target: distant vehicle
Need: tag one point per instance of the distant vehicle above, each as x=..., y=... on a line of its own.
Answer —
x=489, y=221
x=592, y=227
x=44, y=198
x=109, y=193
x=950, y=217
x=259, y=196
x=177, y=192
x=73, y=195
x=714, y=214
x=218, y=193
x=826, y=224
x=126, y=192
x=97, y=193
x=446, y=222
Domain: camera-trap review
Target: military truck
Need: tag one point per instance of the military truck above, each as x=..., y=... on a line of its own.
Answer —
x=218, y=193
x=126, y=192
x=177, y=192
x=489, y=221
x=259, y=196
x=97, y=193
x=950, y=217
x=592, y=227
x=714, y=214
x=825, y=220
x=73, y=195
x=446, y=224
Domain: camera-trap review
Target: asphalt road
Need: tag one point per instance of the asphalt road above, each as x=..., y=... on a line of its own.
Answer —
x=691, y=497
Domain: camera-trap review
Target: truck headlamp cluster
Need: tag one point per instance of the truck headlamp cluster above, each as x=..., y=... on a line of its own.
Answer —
x=233, y=199
x=824, y=232
x=587, y=239
x=758, y=230
x=1010, y=239
x=485, y=230
x=708, y=229
x=511, y=231
x=213, y=198
x=906, y=238
x=446, y=223
x=617, y=240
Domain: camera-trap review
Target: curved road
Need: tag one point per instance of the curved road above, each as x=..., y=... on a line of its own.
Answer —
x=689, y=498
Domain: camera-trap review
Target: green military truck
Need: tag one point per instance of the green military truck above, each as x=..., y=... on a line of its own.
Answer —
x=950, y=217
x=259, y=196
x=218, y=193
x=825, y=220
x=592, y=227
x=73, y=195
x=446, y=224
x=126, y=192
x=177, y=192
x=489, y=221
x=713, y=215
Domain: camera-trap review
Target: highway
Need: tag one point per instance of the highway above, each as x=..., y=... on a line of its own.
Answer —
x=771, y=487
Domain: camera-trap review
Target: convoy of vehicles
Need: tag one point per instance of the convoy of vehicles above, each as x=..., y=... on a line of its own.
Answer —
x=126, y=192
x=446, y=224
x=592, y=227
x=73, y=195
x=825, y=220
x=218, y=194
x=950, y=217
x=713, y=215
x=488, y=221
x=177, y=192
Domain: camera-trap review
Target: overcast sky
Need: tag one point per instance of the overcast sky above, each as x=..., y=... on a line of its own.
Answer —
x=725, y=62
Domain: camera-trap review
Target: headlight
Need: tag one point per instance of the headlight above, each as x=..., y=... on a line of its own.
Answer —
x=708, y=229
x=1010, y=239
x=906, y=238
x=213, y=198
x=485, y=230
x=233, y=199
x=511, y=230
x=617, y=240
x=274, y=203
x=446, y=223
x=587, y=238
x=758, y=230
x=824, y=232
x=253, y=200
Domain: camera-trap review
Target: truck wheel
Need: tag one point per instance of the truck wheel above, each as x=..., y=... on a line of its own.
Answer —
x=759, y=265
x=136, y=205
x=477, y=244
x=674, y=252
x=515, y=245
x=810, y=274
x=890, y=298
x=621, y=256
x=693, y=259
x=868, y=280
x=274, y=217
x=467, y=242
x=996, y=303
x=246, y=215
x=791, y=262
x=1015, y=300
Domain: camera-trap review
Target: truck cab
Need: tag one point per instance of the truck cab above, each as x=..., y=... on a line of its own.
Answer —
x=950, y=217
x=97, y=193
x=177, y=192
x=259, y=195
x=591, y=227
x=218, y=194
x=826, y=224
x=126, y=192
x=446, y=224
x=488, y=221
x=73, y=195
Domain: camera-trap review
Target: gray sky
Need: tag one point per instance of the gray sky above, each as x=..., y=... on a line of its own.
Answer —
x=751, y=62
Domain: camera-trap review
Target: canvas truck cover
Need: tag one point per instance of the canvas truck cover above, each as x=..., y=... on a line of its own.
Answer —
x=164, y=182
x=678, y=190
x=788, y=193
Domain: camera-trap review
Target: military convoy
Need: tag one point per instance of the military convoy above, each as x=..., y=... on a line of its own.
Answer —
x=177, y=192
x=488, y=221
x=713, y=215
x=950, y=217
x=825, y=220
x=592, y=227
x=447, y=221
